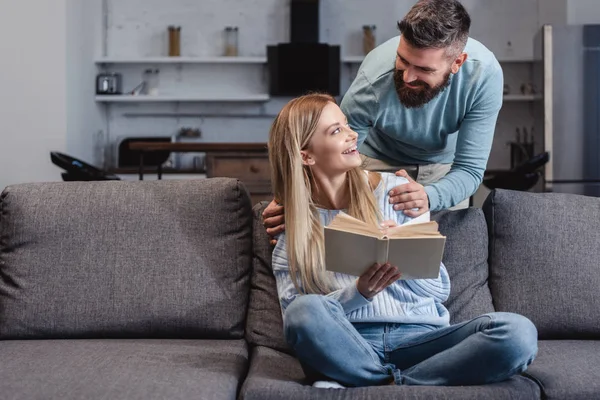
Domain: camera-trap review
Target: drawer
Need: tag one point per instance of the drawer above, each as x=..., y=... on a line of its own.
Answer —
x=245, y=167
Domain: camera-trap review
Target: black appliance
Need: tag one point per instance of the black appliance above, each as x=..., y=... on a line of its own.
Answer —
x=109, y=83
x=78, y=170
x=303, y=65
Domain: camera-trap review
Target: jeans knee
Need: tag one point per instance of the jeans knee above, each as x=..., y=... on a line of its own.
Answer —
x=521, y=336
x=305, y=314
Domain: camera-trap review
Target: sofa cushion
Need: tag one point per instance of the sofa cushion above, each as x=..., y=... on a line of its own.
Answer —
x=264, y=326
x=465, y=258
x=567, y=369
x=275, y=375
x=125, y=259
x=544, y=260
x=122, y=369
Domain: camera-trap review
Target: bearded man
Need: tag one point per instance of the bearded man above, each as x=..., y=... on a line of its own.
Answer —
x=427, y=102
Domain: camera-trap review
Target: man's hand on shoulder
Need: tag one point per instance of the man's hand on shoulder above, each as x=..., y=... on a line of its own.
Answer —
x=409, y=196
x=273, y=220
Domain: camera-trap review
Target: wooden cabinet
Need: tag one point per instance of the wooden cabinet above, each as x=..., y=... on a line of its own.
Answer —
x=250, y=168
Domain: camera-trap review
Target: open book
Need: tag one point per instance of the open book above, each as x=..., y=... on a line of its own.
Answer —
x=352, y=246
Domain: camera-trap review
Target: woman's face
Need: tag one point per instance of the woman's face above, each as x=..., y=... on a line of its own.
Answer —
x=332, y=149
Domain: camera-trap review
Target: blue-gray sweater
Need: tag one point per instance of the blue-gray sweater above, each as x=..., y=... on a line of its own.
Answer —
x=416, y=301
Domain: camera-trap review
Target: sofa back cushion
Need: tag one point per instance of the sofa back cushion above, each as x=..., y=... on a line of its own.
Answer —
x=264, y=325
x=167, y=259
x=465, y=257
x=544, y=260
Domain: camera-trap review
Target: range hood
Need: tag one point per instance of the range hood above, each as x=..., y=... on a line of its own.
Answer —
x=303, y=65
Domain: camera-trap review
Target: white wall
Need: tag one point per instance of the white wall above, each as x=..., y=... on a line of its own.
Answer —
x=85, y=126
x=583, y=11
x=33, y=81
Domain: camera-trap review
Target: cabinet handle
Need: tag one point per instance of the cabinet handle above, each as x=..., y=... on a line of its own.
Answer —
x=254, y=169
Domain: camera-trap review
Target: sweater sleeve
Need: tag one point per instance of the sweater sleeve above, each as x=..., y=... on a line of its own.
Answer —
x=348, y=296
x=473, y=145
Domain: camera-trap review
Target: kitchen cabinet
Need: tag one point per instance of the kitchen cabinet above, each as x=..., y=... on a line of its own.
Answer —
x=250, y=168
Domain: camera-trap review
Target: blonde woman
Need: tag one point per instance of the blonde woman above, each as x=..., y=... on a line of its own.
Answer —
x=376, y=329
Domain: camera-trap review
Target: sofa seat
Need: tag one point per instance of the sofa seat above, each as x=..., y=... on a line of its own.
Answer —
x=122, y=369
x=276, y=375
x=568, y=369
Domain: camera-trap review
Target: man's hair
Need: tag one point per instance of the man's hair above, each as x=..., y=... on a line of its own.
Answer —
x=437, y=24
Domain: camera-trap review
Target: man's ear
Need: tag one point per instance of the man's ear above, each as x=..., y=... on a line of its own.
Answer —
x=458, y=62
x=306, y=158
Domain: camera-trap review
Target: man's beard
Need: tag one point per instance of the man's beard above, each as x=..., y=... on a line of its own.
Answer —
x=415, y=98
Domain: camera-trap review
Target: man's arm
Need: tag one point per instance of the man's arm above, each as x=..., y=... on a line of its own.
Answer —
x=360, y=105
x=474, y=142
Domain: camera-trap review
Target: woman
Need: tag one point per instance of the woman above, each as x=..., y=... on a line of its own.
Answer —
x=375, y=329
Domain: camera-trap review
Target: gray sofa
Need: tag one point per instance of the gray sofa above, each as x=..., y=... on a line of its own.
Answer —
x=163, y=290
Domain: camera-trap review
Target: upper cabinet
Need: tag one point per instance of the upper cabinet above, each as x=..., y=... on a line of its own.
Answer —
x=506, y=27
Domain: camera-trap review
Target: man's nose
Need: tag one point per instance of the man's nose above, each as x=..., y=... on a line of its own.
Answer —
x=409, y=76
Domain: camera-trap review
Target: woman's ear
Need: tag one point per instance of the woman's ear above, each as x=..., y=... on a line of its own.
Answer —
x=306, y=158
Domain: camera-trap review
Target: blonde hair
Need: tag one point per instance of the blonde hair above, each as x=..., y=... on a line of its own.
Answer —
x=293, y=186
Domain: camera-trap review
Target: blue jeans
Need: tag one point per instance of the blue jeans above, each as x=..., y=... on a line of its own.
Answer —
x=487, y=349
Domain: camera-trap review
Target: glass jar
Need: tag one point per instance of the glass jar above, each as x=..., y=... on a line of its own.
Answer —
x=231, y=41
x=174, y=41
x=151, y=81
x=368, y=38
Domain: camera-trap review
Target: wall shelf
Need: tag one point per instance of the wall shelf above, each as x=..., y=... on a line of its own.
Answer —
x=183, y=60
x=175, y=98
x=521, y=97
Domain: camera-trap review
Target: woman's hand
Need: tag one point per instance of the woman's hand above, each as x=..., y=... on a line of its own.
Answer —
x=387, y=224
x=377, y=278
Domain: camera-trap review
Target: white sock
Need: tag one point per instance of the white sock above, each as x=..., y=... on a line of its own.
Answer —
x=328, y=385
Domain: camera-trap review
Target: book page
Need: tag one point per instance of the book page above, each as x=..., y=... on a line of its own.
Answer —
x=424, y=228
x=421, y=218
x=347, y=223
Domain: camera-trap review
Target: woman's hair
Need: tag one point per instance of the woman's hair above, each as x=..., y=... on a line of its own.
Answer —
x=294, y=184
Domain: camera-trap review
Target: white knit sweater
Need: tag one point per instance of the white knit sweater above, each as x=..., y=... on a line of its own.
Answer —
x=417, y=301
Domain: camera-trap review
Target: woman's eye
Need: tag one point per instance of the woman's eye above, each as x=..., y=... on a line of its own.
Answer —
x=338, y=130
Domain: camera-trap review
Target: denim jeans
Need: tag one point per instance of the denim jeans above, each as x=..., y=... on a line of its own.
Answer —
x=489, y=348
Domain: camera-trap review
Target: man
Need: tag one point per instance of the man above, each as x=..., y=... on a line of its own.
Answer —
x=425, y=102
